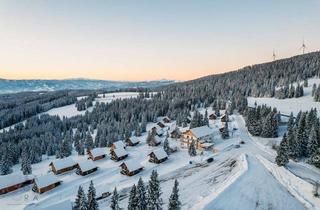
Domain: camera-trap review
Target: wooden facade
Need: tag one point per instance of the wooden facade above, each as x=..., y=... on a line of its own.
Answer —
x=125, y=170
x=14, y=187
x=95, y=157
x=166, y=119
x=44, y=189
x=61, y=170
x=132, y=142
x=212, y=116
x=154, y=159
x=224, y=118
x=81, y=172
x=176, y=133
x=161, y=125
x=117, y=157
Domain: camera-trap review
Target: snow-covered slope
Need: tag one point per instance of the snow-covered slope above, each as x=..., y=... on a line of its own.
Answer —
x=294, y=105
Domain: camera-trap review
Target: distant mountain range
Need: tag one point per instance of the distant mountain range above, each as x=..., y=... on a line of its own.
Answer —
x=14, y=86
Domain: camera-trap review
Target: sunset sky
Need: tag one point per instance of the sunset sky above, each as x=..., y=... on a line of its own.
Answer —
x=149, y=39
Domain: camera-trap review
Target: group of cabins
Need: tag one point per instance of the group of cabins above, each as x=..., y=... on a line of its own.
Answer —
x=118, y=152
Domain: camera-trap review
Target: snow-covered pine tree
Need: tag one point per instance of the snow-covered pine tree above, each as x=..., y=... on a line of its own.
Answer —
x=192, y=149
x=206, y=119
x=81, y=200
x=141, y=196
x=88, y=142
x=4, y=166
x=92, y=202
x=313, y=143
x=133, y=200
x=174, y=202
x=166, y=146
x=225, y=131
x=282, y=154
x=315, y=159
x=25, y=162
x=115, y=200
x=154, y=201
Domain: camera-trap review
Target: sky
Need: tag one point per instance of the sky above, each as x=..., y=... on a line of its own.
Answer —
x=149, y=39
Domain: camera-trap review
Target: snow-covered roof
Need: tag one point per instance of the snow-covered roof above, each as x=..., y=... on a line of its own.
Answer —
x=64, y=205
x=159, y=153
x=86, y=165
x=119, y=144
x=63, y=163
x=120, y=152
x=157, y=139
x=134, y=139
x=202, y=131
x=13, y=179
x=46, y=180
x=132, y=165
x=207, y=145
x=96, y=152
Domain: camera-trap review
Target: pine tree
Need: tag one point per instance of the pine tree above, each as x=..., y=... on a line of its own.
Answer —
x=4, y=166
x=225, y=131
x=315, y=159
x=81, y=201
x=166, y=147
x=133, y=200
x=282, y=153
x=313, y=143
x=25, y=163
x=141, y=196
x=154, y=192
x=88, y=142
x=192, y=149
x=174, y=202
x=114, y=200
x=92, y=202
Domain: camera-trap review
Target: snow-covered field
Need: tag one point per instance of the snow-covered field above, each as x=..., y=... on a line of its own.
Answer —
x=286, y=106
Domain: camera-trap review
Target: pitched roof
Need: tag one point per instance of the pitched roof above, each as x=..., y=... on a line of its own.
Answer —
x=134, y=139
x=63, y=163
x=96, y=152
x=132, y=165
x=46, y=180
x=157, y=139
x=202, y=131
x=86, y=165
x=13, y=179
x=119, y=144
x=120, y=152
x=159, y=153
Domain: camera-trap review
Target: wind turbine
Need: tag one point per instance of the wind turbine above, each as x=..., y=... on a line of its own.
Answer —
x=274, y=55
x=303, y=47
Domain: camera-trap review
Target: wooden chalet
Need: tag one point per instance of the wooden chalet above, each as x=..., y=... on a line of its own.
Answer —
x=130, y=168
x=224, y=118
x=45, y=183
x=133, y=141
x=212, y=116
x=161, y=125
x=97, y=154
x=157, y=130
x=176, y=133
x=203, y=136
x=86, y=167
x=166, y=119
x=118, y=144
x=62, y=165
x=118, y=154
x=156, y=141
x=158, y=156
x=11, y=182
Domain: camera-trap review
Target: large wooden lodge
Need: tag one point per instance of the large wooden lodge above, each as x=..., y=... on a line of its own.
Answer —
x=203, y=136
x=133, y=141
x=62, y=165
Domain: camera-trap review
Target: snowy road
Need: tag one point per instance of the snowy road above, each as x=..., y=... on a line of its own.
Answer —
x=256, y=189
